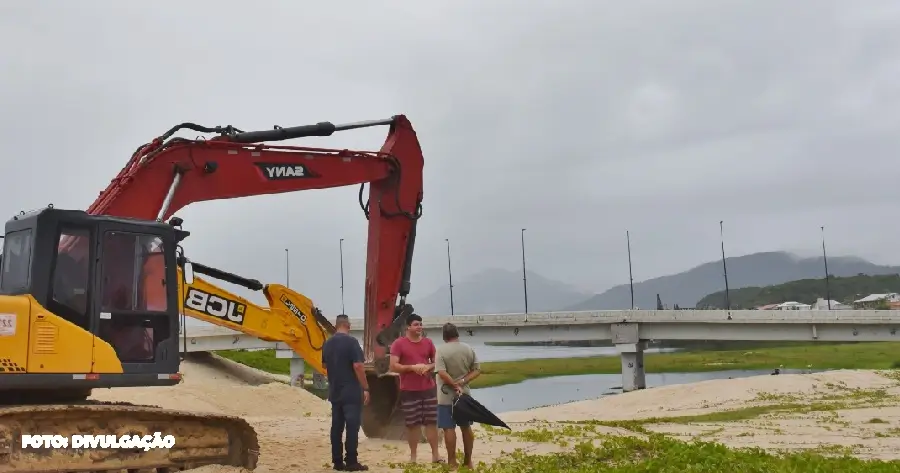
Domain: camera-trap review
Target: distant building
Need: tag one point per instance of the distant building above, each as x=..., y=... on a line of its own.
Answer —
x=822, y=304
x=792, y=306
x=767, y=307
x=877, y=300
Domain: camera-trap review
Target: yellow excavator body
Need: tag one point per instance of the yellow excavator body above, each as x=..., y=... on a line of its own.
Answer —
x=111, y=319
x=34, y=340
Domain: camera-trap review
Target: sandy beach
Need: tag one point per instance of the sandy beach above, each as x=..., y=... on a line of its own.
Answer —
x=855, y=412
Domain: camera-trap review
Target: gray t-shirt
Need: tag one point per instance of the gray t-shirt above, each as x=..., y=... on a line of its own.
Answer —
x=457, y=359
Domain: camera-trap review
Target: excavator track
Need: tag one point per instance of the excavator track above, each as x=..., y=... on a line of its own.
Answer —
x=200, y=439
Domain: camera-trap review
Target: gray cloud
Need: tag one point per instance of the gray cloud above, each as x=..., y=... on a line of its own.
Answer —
x=577, y=120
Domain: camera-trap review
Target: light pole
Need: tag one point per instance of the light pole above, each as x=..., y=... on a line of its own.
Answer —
x=449, y=275
x=524, y=276
x=724, y=267
x=287, y=268
x=343, y=311
x=630, y=275
x=825, y=257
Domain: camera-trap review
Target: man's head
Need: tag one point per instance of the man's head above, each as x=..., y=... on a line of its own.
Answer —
x=450, y=332
x=414, y=326
x=342, y=323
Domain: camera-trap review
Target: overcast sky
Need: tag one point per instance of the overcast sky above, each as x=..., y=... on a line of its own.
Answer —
x=574, y=119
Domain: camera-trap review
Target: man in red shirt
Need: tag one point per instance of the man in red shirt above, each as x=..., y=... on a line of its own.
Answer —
x=413, y=357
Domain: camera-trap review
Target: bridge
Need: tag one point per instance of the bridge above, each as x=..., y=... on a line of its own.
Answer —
x=628, y=330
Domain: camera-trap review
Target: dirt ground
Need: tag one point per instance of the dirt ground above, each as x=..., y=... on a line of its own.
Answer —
x=292, y=424
x=862, y=415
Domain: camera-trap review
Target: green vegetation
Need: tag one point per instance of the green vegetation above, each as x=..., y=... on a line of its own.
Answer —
x=879, y=355
x=840, y=398
x=583, y=449
x=807, y=291
x=717, y=345
x=262, y=360
x=660, y=454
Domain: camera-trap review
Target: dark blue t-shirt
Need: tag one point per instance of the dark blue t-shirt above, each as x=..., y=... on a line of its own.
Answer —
x=339, y=353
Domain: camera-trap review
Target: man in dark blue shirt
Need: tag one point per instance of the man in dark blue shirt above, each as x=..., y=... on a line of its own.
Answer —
x=348, y=390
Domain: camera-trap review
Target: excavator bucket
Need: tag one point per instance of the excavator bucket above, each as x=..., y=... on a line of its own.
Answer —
x=382, y=417
x=200, y=439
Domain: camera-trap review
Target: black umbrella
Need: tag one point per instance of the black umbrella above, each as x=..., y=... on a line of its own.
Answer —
x=467, y=409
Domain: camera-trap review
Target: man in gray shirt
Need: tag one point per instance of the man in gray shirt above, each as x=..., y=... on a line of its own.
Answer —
x=456, y=365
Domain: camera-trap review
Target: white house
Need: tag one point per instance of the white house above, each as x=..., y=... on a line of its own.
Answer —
x=792, y=305
x=822, y=304
x=890, y=298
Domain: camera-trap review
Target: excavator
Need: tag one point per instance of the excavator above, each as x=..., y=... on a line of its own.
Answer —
x=92, y=299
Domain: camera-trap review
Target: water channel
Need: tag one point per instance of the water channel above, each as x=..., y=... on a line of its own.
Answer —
x=562, y=389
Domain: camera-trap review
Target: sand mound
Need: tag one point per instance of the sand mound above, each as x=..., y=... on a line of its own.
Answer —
x=211, y=385
x=695, y=398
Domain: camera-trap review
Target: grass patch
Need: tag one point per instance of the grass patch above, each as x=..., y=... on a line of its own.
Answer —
x=587, y=450
x=658, y=453
x=876, y=355
x=733, y=415
x=262, y=360
x=845, y=398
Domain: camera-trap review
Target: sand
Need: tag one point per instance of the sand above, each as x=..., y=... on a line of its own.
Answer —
x=701, y=397
x=215, y=385
x=864, y=420
x=293, y=424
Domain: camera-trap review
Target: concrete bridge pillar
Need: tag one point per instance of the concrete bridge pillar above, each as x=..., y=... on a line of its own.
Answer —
x=631, y=349
x=319, y=380
x=298, y=368
x=297, y=365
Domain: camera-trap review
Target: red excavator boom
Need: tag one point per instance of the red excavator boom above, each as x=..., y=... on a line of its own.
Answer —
x=170, y=173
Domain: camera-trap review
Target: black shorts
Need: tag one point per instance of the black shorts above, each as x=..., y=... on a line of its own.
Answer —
x=419, y=407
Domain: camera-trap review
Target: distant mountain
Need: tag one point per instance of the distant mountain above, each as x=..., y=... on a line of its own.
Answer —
x=498, y=291
x=758, y=269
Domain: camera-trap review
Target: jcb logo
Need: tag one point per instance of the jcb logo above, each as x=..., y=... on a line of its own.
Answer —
x=293, y=308
x=215, y=306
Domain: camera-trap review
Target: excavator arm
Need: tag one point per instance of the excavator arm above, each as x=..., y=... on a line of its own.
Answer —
x=291, y=317
x=169, y=173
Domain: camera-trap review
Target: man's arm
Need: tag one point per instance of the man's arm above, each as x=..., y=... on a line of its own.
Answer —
x=359, y=367
x=474, y=370
x=441, y=368
x=433, y=355
x=326, y=353
x=396, y=367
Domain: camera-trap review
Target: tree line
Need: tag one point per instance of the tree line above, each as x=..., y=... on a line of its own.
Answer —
x=806, y=291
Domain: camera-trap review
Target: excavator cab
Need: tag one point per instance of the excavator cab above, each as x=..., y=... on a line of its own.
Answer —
x=81, y=308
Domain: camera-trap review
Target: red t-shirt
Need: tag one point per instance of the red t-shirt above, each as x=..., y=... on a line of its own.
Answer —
x=413, y=353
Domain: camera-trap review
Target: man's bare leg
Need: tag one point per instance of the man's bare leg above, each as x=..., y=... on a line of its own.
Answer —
x=468, y=436
x=450, y=444
x=413, y=434
x=431, y=433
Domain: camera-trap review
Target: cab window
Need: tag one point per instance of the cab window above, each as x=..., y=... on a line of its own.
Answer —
x=134, y=273
x=71, y=276
x=16, y=261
